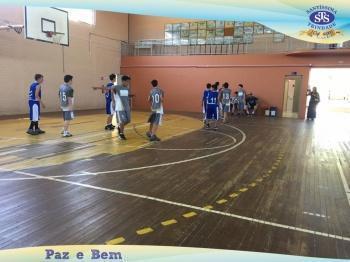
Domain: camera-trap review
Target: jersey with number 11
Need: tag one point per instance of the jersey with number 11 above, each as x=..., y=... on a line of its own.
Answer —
x=212, y=98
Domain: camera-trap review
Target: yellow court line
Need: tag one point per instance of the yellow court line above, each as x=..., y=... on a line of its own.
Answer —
x=221, y=201
x=233, y=195
x=144, y=231
x=190, y=214
x=169, y=222
x=116, y=241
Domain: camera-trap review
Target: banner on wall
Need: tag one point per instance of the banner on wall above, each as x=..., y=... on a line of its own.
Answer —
x=126, y=253
x=322, y=21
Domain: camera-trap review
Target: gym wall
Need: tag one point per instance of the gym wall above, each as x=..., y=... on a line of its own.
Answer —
x=88, y=57
x=184, y=78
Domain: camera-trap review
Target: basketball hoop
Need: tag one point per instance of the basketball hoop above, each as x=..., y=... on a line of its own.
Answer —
x=17, y=28
x=55, y=36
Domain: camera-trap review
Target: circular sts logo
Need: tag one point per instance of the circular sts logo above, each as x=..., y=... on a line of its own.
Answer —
x=322, y=17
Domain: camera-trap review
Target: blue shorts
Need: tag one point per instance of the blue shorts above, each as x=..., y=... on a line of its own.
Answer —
x=109, y=108
x=212, y=112
x=34, y=110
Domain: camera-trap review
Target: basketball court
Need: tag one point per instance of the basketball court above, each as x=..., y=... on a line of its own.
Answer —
x=262, y=183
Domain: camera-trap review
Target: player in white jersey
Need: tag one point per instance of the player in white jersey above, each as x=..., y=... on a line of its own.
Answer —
x=225, y=100
x=156, y=98
x=66, y=94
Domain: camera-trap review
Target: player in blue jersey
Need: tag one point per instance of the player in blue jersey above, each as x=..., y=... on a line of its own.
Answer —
x=204, y=104
x=213, y=107
x=110, y=105
x=34, y=102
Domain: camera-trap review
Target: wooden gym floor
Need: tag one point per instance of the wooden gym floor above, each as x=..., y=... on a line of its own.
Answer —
x=257, y=184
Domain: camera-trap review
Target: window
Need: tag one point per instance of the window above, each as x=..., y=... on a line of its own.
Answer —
x=81, y=15
x=214, y=32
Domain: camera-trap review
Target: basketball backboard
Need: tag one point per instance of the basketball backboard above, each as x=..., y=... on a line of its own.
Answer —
x=47, y=24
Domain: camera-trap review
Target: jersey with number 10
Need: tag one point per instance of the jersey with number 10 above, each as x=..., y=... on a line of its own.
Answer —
x=156, y=96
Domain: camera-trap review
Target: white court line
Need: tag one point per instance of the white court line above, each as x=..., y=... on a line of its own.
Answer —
x=177, y=162
x=343, y=178
x=345, y=184
x=85, y=173
x=37, y=178
x=197, y=149
x=249, y=219
x=12, y=151
x=150, y=143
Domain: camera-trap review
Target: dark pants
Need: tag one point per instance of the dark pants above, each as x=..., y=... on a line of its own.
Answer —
x=311, y=111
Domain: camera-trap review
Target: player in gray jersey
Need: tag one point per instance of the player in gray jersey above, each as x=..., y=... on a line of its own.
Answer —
x=156, y=98
x=66, y=93
x=225, y=99
x=122, y=105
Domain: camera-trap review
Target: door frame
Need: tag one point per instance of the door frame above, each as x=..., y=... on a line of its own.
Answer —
x=296, y=95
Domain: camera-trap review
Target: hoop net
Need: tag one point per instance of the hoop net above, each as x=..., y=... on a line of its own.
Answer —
x=55, y=36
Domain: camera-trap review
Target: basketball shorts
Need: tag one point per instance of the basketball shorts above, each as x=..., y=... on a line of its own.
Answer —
x=226, y=108
x=212, y=112
x=68, y=115
x=155, y=118
x=109, y=108
x=34, y=111
x=123, y=117
x=240, y=105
